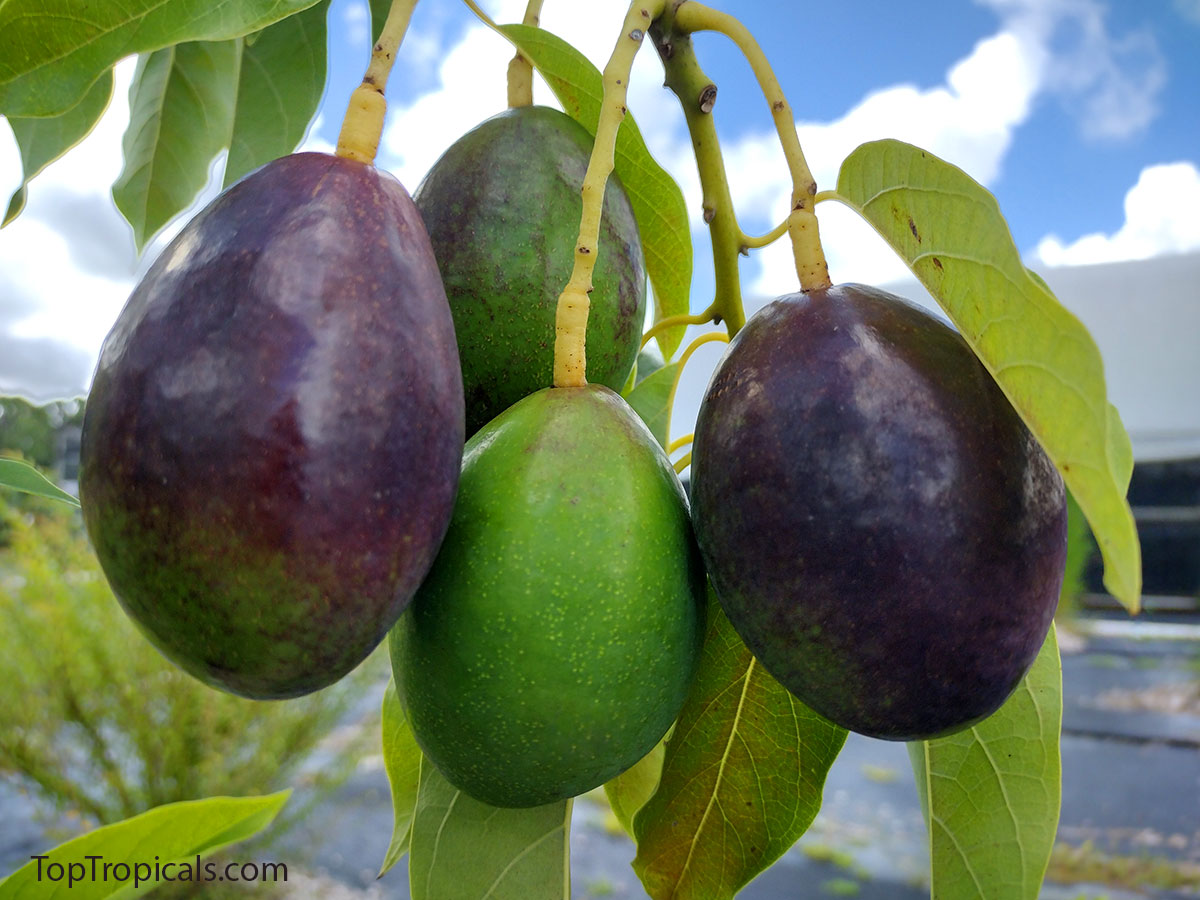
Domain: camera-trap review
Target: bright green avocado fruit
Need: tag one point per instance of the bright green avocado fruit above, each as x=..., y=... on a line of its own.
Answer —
x=553, y=642
x=502, y=208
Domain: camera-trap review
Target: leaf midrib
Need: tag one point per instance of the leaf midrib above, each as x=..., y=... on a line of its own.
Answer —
x=712, y=799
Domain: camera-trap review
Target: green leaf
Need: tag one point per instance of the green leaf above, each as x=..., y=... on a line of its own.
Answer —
x=651, y=399
x=649, y=361
x=631, y=380
x=1120, y=450
x=379, y=14
x=181, y=112
x=20, y=476
x=282, y=78
x=52, y=51
x=949, y=230
x=629, y=791
x=175, y=833
x=991, y=794
x=741, y=781
x=44, y=140
x=402, y=761
x=657, y=201
x=465, y=850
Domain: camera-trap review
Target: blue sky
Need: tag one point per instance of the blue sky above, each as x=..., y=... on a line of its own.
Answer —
x=1082, y=116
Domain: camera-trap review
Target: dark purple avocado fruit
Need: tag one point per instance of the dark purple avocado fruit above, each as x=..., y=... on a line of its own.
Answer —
x=272, y=442
x=878, y=523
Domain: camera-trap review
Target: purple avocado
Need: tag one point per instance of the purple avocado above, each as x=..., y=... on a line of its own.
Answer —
x=878, y=523
x=272, y=442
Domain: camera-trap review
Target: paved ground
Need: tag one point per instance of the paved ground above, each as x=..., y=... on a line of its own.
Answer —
x=1131, y=786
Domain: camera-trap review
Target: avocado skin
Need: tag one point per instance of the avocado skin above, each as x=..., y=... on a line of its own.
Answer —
x=879, y=525
x=502, y=207
x=555, y=639
x=272, y=441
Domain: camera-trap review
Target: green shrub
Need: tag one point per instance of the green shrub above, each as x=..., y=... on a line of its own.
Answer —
x=96, y=723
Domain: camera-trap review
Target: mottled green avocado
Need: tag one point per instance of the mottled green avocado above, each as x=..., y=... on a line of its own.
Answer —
x=555, y=638
x=502, y=207
x=879, y=525
x=274, y=433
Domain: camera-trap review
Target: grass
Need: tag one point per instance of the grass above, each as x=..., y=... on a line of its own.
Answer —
x=1086, y=864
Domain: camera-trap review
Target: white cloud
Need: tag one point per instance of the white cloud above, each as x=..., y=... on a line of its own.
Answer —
x=67, y=263
x=1160, y=218
x=356, y=17
x=969, y=121
x=1110, y=83
x=1059, y=48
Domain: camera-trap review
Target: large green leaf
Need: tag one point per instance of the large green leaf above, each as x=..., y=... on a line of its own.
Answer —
x=950, y=231
x=402, y=762
x=168, y=837
x=465, y=850
x=20, y=476
x=650, y=399
x=629, y=791
x=44, y=140
x=741, y=780
x=52, y=51
x=180, y=114
x=282, y=78
x=991, y=793
x=657, y=201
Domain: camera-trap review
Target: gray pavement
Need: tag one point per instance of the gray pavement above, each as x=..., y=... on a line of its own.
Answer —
x=1131, y=787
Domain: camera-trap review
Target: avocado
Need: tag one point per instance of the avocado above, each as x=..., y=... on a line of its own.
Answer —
x=503, y=209
x=272, y=441
x=555, y=638
x=879, y=525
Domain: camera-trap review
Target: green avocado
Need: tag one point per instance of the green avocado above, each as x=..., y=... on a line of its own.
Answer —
x=555, y=638
x=502, y=208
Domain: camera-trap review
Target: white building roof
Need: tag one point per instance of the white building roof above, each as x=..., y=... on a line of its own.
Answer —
x=1145, y=317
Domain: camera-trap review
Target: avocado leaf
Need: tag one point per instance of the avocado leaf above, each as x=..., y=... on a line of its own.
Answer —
x=949, y=230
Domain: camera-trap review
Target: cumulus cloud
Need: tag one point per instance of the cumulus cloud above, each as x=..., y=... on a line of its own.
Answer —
x=1044, y=48
x=1160, y=218
x=1110, y=83
x=969, y=121
x=67, y=263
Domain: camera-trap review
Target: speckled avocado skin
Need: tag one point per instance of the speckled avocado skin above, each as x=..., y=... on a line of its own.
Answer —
x=502, y=207
x=273, y=437
x=555, y=638
x=878, y=523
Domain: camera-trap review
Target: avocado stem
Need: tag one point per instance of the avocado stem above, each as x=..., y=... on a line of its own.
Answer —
x=811, y=266
x=680, y=442
x=674, y=321
x=520, y=70
x=570, y=325
x=755, y=243
x=362, y=125
x=697, y=94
